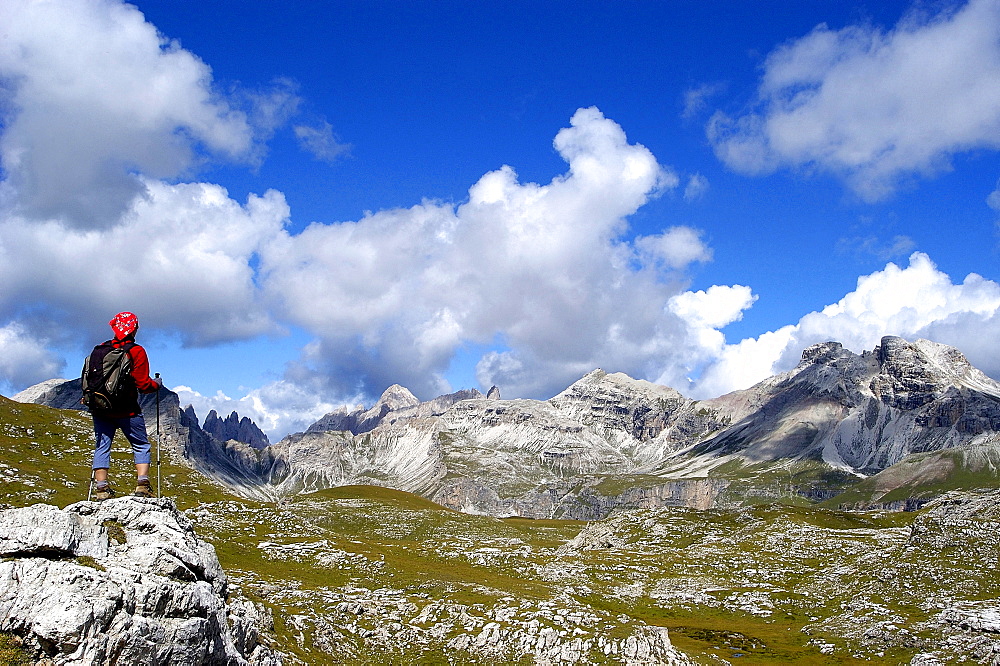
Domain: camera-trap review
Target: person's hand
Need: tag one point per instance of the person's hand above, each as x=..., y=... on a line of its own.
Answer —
x=159, y=382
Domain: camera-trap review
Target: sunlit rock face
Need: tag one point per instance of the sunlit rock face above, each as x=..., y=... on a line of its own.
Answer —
x=861, y=412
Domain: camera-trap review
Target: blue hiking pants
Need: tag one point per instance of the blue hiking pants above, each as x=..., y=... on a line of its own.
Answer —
x=134, y=429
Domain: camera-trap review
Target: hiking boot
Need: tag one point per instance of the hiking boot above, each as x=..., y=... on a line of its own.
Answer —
x=143, y=489
x=104, y=493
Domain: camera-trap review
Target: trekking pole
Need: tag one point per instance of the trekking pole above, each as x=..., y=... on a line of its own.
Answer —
x=158, y=438
x=90, y=488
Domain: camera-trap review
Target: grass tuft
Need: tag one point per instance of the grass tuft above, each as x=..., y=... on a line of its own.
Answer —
x=12, y=651
x=88, y=561
x=116, y=533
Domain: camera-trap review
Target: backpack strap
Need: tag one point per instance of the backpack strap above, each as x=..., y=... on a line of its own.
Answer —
x=127, y=347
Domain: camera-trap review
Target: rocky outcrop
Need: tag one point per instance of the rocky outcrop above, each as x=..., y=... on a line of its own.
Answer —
x=235, y=428
x=869, y=584
x=125, y=581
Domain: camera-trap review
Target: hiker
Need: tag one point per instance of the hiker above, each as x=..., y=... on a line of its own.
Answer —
x=122, y=412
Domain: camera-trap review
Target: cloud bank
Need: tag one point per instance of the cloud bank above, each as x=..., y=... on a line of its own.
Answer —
x=874, y=108
x=393, y=296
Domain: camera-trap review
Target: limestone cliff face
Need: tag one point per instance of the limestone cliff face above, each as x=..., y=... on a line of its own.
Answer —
x=644, y=420
x=405, y=456
x=124, y=581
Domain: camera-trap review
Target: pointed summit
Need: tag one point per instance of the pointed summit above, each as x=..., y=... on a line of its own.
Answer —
x=396, y=397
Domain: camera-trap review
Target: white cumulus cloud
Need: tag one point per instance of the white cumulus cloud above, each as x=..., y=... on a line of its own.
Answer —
x=24, y=360
x=320, y=140
x=92, y=95
x=543, y=267
x=993, y=199
x=873, y=107
x=696, y=188
x=676, y=248
x=181, y=259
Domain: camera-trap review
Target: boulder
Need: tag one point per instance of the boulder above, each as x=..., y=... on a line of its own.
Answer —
x=124, y=581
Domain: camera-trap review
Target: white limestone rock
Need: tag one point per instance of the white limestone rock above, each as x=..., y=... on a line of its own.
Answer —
x=124, y=581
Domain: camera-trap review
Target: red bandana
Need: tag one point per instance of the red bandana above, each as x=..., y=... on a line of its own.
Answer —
x=124, y=323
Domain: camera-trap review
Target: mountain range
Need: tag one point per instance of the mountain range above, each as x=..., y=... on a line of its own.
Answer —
x=891, y=427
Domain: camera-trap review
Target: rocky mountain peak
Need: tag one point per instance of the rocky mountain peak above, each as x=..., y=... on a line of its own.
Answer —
x=823, y=353
x=40, y=393
x=916, y=373
x=396, y=397
x=592, y=377
x=236, y=428
x=902, y=359
x=396, y=402
x=614, y=386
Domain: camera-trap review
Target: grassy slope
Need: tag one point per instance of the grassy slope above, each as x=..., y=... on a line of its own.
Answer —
x=925, y=476
x=370, y=575
x=45, y=456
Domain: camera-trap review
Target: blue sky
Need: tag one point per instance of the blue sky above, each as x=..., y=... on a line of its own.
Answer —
x=308, y=202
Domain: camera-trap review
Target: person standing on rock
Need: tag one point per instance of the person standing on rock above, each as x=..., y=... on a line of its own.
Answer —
x=123, y=413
